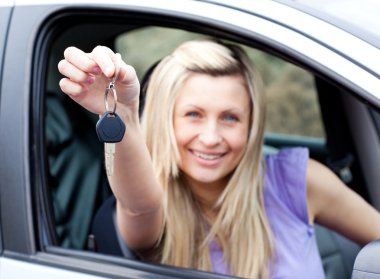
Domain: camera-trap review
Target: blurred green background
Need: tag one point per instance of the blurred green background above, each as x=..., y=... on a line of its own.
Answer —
x=291, y=96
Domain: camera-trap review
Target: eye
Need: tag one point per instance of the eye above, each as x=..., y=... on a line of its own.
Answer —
x=193, y=114
x=230, y=118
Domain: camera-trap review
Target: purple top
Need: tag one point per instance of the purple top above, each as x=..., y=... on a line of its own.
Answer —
x=296, y=251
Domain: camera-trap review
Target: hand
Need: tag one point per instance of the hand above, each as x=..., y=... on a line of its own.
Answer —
x=88, y=74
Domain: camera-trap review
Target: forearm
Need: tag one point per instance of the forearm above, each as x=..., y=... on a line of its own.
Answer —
x=138, y=193
x=353, y=217
x=333, y=204
x=134, y=182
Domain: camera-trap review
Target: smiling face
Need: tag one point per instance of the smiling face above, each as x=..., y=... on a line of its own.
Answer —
x=211, y=124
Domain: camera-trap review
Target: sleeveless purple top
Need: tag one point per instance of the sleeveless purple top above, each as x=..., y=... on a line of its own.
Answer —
x=296, y=251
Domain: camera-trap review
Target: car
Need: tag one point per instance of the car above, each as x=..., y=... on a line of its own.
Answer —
x=320, y=61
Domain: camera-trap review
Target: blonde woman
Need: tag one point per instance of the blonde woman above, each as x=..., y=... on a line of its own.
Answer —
x=192, y=186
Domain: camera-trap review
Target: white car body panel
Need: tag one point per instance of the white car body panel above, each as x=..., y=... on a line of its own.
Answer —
x=319, y=45
x=10, y=269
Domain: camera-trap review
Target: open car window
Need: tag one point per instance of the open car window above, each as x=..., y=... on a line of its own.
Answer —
x=78, y=181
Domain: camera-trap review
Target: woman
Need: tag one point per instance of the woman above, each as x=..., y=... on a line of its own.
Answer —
x=199, y=194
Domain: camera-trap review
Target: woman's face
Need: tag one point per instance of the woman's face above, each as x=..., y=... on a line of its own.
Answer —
x=211, y=124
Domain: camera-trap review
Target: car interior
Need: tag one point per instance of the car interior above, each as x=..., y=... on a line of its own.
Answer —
x=76, y=198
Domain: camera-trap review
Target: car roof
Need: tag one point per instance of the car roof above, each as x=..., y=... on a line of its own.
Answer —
x=361, y=18
x=265, y=18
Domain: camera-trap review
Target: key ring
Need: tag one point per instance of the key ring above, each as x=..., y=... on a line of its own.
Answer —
x=111, y=87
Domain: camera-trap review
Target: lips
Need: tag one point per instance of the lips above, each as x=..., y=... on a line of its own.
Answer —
x=208, y=156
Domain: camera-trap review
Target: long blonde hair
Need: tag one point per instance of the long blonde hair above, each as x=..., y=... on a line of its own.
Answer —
x=241, y=225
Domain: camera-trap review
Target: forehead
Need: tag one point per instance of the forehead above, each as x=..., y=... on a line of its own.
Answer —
x=204, y=89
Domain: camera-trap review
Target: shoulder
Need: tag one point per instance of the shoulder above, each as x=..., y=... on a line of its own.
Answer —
x=291, y=153
x=288, y=162
x=285, y=180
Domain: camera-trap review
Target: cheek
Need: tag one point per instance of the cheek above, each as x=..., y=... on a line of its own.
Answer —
x=238, y=142
x=182, y=133
x=184, y=136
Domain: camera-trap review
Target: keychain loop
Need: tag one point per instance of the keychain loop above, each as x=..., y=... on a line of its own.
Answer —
x=116, y=77
x=111, y=87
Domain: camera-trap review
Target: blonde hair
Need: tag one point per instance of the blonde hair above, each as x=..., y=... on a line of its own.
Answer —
x=241, y=225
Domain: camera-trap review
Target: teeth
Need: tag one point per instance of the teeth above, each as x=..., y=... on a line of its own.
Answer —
x=207, y=156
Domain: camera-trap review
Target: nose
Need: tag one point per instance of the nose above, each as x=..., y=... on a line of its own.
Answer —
x=210, y=135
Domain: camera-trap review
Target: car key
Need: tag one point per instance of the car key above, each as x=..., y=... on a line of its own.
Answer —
x=110, y=128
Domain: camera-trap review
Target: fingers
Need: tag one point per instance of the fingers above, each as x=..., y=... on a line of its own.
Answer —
x=80, y=66
x=88, y=74
x=71, y=88
x=106, y=59
x=109, y=61
x=81, y=60
x=127, y=74
x=73, y=73
x=79, y=71
x=77, y=64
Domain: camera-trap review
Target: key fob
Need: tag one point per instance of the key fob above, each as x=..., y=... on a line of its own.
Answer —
x=110, y=128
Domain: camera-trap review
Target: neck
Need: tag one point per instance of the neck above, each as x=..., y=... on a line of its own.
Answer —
x=207, y=194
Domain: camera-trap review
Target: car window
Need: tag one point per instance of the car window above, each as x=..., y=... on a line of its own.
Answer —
x=143, y=47
x=293, y=107
x=77, y=182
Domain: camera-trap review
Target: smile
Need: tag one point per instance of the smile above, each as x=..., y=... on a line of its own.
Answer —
x=207, y=156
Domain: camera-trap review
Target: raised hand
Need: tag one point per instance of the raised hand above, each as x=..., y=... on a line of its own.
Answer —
x=88, y=74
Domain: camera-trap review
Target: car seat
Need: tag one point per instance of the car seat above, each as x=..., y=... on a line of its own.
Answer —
x=367, y=262
x=337, y=253
x=105, y=237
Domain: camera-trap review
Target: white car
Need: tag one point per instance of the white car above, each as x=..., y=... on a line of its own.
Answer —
x=321, y=66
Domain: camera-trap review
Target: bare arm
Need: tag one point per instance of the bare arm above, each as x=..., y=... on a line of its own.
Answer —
x=334, y=205
x=138, y=194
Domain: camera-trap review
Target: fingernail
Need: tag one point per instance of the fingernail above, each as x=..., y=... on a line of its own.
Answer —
x=96, y=70
x=90, y=79
x=108, y=71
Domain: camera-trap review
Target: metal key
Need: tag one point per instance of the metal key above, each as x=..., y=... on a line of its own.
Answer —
x=110, y=128
x=109, y=152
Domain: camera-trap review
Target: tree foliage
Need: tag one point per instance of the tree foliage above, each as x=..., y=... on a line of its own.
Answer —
x=291, y=96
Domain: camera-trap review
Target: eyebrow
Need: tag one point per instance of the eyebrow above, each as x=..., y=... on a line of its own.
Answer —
x=236, y=110
x=191, y=106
